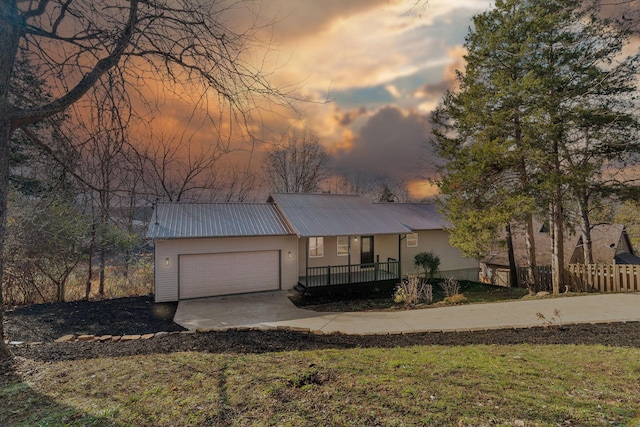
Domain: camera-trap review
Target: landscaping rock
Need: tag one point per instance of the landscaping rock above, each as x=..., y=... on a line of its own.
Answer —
x=86, y=337
x=66, y=338
x=104, y=338
x=130, y=337
x=161, y=334
x=542, y=294
x=147, y=336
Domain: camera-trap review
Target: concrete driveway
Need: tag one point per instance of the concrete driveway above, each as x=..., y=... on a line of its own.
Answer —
x=274, y=309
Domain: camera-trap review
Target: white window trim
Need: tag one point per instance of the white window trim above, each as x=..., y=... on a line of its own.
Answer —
x=411, y=239
x=322, y=247
x=345, y=246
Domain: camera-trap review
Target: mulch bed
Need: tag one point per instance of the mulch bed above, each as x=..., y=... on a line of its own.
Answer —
x=140, y=315
x=118, y=316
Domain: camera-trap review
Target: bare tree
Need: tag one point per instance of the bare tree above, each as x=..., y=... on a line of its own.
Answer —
x=74, y=43
x=625, y=12
x=299, y=164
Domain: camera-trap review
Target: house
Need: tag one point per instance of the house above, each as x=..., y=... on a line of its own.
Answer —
x=610, y=245
x=430, y=234
x=303, y=240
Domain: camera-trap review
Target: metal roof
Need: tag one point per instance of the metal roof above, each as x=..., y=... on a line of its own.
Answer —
x=335, y=215
x=173, y=220
x=416, y=216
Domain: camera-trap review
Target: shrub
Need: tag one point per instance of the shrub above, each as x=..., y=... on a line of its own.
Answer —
x=455, y=299
x=429, y=261
x=450, y=286
x=412, y=290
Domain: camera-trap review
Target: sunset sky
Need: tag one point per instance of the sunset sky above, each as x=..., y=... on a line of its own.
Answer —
x=384, y=66
x=373, y=69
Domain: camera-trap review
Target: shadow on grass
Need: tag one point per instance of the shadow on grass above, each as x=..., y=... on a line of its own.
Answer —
x=23, y=406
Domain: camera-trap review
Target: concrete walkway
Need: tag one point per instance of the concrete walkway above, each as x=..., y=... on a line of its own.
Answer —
x=274, y=309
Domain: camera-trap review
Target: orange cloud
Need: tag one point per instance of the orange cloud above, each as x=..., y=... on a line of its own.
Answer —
x=422, y=189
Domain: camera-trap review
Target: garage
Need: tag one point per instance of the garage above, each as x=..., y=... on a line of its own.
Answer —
x=206, y=275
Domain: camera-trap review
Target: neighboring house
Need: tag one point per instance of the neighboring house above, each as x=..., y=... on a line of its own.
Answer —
x=610, y=245
x=304, y=240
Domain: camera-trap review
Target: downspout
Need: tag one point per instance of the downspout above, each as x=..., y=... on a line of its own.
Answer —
x=349, y=257
x=400, y=239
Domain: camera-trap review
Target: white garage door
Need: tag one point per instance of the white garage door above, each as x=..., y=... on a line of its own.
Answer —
x=206, y=275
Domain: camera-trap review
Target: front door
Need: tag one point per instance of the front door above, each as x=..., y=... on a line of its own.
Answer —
x=366, y=250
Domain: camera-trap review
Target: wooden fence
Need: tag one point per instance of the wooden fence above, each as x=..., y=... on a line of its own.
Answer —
x=604, y=278
x=543, y=272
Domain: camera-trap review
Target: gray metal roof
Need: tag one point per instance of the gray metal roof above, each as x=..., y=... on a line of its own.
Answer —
x=335, y=215
x=416, y=216
x=173, y=220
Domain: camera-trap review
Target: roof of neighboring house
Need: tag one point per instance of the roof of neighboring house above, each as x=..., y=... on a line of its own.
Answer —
x=335, y=215
x=605, y=241
x=173, y=220
x=416, y=216
x=627, y=259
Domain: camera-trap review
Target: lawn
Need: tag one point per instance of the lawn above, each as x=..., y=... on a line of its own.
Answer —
x=544, y=385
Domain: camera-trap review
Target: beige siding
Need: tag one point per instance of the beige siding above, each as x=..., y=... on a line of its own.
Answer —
x=385, y=246
x=452, y=262
x=330, y=256
x=166, y=276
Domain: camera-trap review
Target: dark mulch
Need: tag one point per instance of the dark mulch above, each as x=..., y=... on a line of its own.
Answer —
x=140, y=315
x=118, y=316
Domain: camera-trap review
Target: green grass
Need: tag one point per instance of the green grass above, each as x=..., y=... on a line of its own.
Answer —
x=479, y=292
x=423, y=385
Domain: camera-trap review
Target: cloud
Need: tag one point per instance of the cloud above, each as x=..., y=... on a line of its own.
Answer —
x=449, y=80
x=361, y=48
x=391, y=144
x=307, y=18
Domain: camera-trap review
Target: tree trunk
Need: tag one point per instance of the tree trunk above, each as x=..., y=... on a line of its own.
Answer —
x=557, y=250
x=87, y=292
x=513, y=268
x=533, y=282
x=5, y=136
x=103, y=263
x=585, y=224
x=60, y=287
x=556, y=224
x=10, y=33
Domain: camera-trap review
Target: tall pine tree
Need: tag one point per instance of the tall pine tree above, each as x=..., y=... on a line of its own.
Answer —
x=541, y=115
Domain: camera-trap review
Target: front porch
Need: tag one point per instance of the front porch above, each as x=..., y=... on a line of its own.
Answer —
x=334, y=275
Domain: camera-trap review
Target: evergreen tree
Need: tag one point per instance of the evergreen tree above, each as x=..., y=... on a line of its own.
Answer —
x=541, y=115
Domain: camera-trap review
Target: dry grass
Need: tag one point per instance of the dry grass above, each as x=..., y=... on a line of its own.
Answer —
x=426, y=385
x=138, y=281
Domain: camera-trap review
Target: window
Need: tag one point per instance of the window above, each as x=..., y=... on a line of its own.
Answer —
x=343, y=245
x=412, y=240
x=316, y=247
